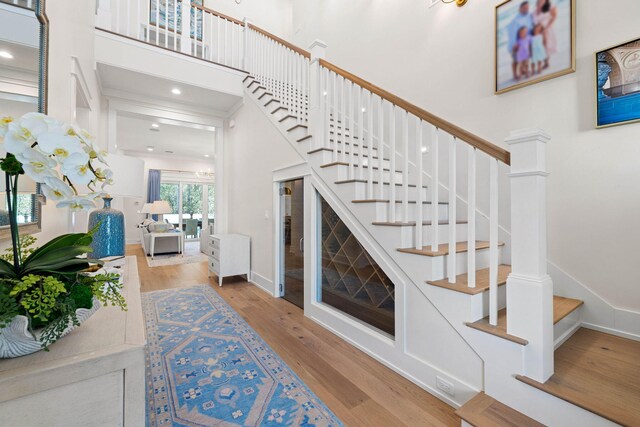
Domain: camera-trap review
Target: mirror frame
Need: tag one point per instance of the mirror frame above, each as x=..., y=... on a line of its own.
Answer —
x=43, y=106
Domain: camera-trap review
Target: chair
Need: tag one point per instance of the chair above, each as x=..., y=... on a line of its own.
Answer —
x=191, y=228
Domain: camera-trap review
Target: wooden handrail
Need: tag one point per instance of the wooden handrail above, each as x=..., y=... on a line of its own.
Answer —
x=218, y=14
x=481, y=144
x=281, y=41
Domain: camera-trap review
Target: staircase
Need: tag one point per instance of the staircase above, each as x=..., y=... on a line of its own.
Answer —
x=462, y=218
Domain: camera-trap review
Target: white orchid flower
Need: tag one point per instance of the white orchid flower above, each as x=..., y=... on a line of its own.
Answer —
x=76, y=168
x=56, y=189
x=4, y=125
x=96, y=196
x=77, y=203
x=38, y=123
x=82, y=134
x=95, y=153
x=17, y=138
x=36, y=165
x=59, y=145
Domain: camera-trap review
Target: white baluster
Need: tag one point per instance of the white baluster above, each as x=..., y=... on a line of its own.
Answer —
x=232, y=27
x=435, y=187
x=419, y=184
x=451, y=259
x=185, y=38
x=138, y=20
x=471, y=216
x=343, y=119
x=166, y=23
x=204, y=35
x=118, y=16
x=175, y=24
x=360, y=112
x=370, y=143
x=493, y=242
x=335, y=115
x=392, y=158
x=380, y=148
x=352, y=151
x=405, y=167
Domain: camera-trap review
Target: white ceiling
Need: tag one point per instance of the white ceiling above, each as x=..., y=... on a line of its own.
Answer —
x=134, y=135
x=130, y=83
x=25, y=58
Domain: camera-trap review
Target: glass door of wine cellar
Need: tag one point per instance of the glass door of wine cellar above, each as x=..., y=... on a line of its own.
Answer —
x=292, y=241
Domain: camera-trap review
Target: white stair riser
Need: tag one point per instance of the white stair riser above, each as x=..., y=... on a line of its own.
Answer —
x=404, y=237
x=297, y=133
x=565, y=328
x=383, y=212
x=330, y=156
x=360, y=191
x=341, y=173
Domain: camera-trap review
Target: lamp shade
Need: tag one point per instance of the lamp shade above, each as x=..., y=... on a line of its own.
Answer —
x=161, y=207
x=128, y=176
x=146, y=209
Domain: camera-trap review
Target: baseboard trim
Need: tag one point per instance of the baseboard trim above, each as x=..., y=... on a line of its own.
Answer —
x=262, y=282
x=610, y=331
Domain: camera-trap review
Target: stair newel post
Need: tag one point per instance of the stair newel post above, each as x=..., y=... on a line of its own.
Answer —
x=185, y=38
x=529, y=287
x=317, y=99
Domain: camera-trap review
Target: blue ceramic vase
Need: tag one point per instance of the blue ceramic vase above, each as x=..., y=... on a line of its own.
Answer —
x=108, y=240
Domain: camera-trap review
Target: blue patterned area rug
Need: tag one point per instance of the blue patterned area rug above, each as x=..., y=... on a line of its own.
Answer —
x=207, y=367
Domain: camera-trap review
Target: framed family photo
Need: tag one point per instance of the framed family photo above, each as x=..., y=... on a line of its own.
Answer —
x=534, y=41
x=618, y=84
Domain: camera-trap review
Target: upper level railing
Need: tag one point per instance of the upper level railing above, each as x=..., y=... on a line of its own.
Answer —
x=26, y=4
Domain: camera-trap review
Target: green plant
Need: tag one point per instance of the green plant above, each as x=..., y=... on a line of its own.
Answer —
x=48, y=284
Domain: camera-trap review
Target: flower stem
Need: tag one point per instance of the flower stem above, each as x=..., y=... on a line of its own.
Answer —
x=13, y=221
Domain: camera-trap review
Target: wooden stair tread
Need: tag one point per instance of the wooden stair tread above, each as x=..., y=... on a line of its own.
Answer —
x=412, y=223
x=296, y=127
x=598, y=372
x=364, y=181
x=443, y=249
x=484, y=410
x=482, y=281
x=348, y=153
x=304, y=138
x=562, y=307
x=355, y=166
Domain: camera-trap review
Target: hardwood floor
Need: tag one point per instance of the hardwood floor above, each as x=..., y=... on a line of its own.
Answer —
x=358, y=389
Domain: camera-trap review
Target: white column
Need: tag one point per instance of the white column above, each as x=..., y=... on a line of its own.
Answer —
x=185, y=38
x=103, y=14
x=529, y=287
x=316, y=128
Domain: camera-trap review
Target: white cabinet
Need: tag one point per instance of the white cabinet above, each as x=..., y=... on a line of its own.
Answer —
x=229, y=255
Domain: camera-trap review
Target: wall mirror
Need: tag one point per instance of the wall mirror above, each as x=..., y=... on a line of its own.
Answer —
x=23, y=89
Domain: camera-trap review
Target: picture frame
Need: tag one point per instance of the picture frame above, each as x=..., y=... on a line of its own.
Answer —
x=618, y=84
x=535, y=41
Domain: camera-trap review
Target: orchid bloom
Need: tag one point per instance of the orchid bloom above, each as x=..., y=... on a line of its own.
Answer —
x=36, y=165
x=76, y=167
x=56, y=189
x=77, y=203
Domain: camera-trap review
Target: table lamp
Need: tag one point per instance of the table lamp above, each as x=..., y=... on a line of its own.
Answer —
x=128, y=177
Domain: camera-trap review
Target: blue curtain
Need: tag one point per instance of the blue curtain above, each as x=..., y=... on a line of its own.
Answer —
x=153, y=187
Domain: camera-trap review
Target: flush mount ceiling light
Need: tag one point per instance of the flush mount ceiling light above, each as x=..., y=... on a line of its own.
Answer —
x=206, y=155
x=458, y=3
x=6, y=55
x=155, y=125
x=176, y=91
x=150, y=148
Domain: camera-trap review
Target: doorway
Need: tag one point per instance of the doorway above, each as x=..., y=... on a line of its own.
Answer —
x=292, y=241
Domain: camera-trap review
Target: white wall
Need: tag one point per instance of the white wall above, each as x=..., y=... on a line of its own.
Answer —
x=130, y=207
x=253, y=149
x=271, y=15
x=441, y=58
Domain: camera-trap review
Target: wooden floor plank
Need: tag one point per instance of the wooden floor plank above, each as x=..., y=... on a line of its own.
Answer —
x=598, y=372
x=357, y=388
x=485, y=411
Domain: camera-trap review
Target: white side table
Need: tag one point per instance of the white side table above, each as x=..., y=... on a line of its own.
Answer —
x=169, y=234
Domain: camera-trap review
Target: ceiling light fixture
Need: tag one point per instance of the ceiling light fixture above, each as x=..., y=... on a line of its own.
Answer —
x=205, y=174
x=155, y=125
x=458, y=3
x=150, y=148
x=206, y=155
x=6, y=55
x=176, y=91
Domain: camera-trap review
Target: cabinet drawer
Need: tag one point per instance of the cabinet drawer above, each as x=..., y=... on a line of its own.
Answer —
x=214, y=253
x=214, y=265
x=214, y=242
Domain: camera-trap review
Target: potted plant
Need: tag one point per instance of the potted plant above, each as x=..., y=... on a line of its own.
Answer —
x=45, y=292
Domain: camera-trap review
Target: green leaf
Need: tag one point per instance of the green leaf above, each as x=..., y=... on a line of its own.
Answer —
x=6, y=269
x=59, y=242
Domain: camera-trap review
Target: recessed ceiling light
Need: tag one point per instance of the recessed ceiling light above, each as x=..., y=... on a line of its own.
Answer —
x=424, y=149
x=206, y=155
x=155, y=125
x=176, y=91
x=6, y=55
x=149, y=148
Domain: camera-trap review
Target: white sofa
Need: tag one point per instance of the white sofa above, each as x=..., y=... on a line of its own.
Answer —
x=162, y=246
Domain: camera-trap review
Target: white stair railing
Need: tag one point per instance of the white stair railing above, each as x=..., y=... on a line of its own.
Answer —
x=394, y=130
